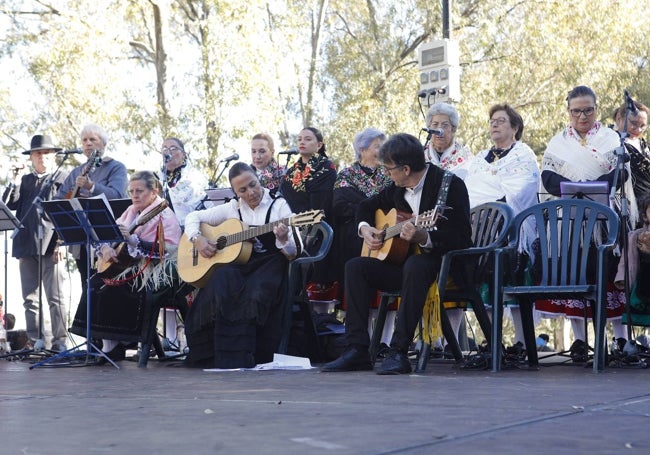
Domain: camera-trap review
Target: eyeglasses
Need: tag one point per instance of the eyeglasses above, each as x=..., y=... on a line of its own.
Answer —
x=390, y=169
x=588, y=111
x=497, y=121
x=171, y=149
x=443, y=125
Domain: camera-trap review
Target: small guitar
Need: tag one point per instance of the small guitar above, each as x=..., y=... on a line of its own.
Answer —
x=94, y=160
x=111, y=267
x=230, y=238
x=394, y=250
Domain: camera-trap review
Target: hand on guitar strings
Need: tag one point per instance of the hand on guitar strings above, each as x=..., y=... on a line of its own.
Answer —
x=372, y=237
x=84, y=182
x=412, y=234
x=204, y=247
x=281, y=233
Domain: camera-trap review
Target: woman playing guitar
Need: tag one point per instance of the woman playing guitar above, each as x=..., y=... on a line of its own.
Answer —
x=152, y=247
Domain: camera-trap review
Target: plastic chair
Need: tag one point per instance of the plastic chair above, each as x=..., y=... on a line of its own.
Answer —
x=490, y=225
x=563, y=256
x=150, y=313
x=317, y=241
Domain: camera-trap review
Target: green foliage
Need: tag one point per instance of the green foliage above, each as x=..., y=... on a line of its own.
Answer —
x=226, y=70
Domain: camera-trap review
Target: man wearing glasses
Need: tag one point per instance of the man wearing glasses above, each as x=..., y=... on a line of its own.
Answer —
x=416, y=187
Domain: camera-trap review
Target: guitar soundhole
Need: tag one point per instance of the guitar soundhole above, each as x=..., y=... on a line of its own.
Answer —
x=221, y=242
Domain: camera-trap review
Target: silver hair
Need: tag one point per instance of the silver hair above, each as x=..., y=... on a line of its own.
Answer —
x=363, y=140
x=444, y=109
x=95, y=129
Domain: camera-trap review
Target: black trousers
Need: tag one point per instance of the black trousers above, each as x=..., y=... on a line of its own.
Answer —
x=365, y=276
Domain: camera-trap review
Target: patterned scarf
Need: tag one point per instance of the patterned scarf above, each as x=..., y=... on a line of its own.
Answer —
x=174, y=176
x=271, y=175
x=300, y=175
x=364, y=179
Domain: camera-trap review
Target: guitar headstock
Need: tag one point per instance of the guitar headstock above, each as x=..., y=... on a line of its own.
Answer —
x=427, y=220
x=147, y=216
x=307, y=218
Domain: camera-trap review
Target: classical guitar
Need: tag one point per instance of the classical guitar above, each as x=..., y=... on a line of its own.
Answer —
x=230, y=238
x=110, y=267
x=395, y=249
x=94, y=160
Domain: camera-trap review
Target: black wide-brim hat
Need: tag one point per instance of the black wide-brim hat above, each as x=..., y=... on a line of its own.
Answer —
x=41, y=142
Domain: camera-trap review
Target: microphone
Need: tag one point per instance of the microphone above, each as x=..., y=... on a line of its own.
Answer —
x=167, y=158
x=234, y=156
x=292, y=151
x=69, y=152
x=631, y=106
x=437, y=131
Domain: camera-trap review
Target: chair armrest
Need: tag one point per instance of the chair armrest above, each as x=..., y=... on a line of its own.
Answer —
x=324, y=247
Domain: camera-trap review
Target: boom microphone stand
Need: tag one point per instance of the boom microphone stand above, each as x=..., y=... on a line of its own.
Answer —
x=623, y=157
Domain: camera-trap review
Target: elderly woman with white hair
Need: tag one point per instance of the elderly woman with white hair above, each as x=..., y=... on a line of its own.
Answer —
x=443, y=150
x=363, y=179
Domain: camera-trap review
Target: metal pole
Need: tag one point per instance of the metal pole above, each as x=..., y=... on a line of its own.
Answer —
x=446, y=19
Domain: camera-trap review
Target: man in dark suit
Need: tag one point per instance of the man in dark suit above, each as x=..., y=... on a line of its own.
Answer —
x=416, y=187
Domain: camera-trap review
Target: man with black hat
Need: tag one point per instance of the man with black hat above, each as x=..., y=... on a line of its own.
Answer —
x=27, y=247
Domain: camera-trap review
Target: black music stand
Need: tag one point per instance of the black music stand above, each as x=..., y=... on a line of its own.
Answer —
x=82, y=221
x=8, y=222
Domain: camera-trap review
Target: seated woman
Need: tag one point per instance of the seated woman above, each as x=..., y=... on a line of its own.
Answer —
x=584, y=152
x=235, y=320
x=506, y=172
x=146, y=263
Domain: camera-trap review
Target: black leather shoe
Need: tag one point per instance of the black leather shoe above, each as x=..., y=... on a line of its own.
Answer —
x=395, y=363
x=116, y=354
x=353, y=359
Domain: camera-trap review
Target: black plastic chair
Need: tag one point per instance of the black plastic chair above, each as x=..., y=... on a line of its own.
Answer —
x=566, y=229
x=317, y=241
x=490, y=224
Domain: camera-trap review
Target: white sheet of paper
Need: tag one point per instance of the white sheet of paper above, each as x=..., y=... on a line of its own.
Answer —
x=280, y=362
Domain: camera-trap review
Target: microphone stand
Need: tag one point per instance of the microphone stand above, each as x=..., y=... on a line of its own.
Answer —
x=426, y=143
x=286, y=164
x=621, y=158
x=213, y=182
x=44, y=194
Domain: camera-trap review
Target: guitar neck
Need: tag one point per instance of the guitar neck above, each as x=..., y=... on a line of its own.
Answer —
x=394, y=231
x=250, y=233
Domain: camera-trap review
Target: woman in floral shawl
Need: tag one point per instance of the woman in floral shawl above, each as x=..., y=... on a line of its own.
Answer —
x=363, y=179
x=443, y=149
x=268, y=171
x=309, y=185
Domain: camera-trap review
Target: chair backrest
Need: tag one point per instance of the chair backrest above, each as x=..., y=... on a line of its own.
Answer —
x=490, y=223
x=490, y=226
x=568, y=230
